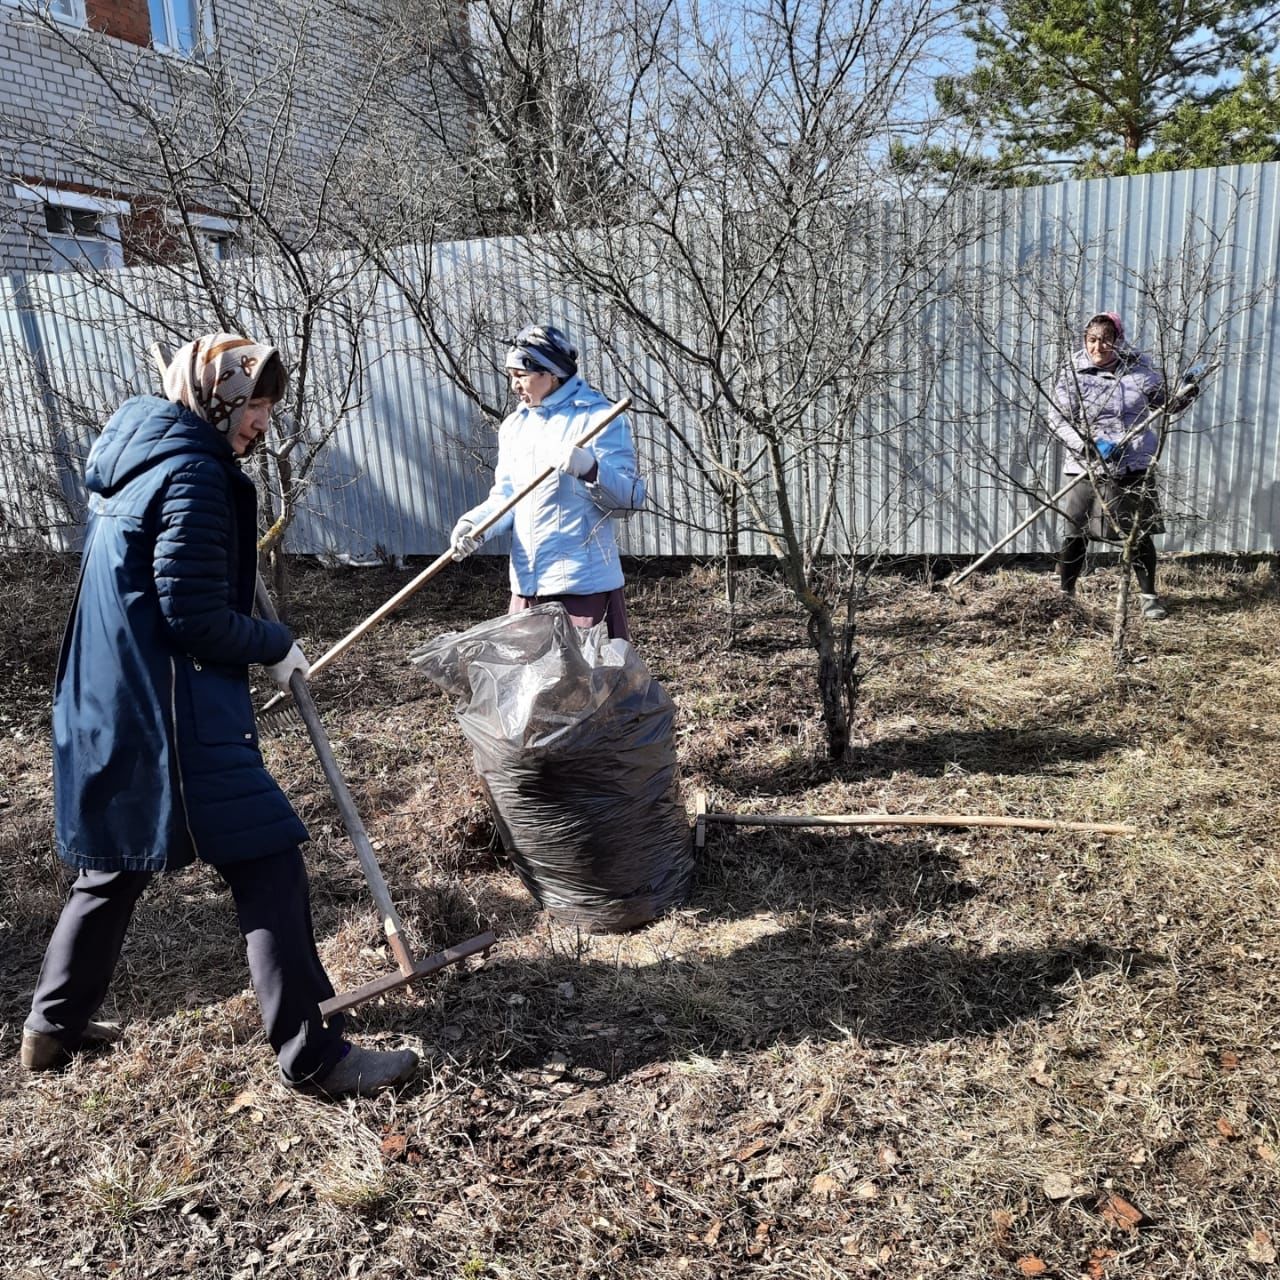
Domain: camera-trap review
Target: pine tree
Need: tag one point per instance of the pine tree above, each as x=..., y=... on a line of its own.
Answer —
x=1242, y=127
x=1085, y=88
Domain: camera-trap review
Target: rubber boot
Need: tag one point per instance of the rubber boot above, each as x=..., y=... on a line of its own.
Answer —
x=362, y=1072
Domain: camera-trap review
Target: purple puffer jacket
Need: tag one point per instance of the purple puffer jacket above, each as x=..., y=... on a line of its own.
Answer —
x=1103, y=405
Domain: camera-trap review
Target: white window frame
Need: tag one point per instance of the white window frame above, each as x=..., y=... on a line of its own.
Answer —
x=204, y=23
x=213, y=229
x=74, y=18
x=109, y=210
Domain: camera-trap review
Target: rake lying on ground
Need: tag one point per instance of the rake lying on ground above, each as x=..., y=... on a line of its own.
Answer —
x=703, y=816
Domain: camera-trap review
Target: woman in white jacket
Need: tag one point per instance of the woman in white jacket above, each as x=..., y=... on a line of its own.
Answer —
x=562, y=542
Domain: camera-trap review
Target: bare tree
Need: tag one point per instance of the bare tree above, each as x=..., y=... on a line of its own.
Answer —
x=779, y=275
x=539, y=81
x=725, y=219
x=273, y=133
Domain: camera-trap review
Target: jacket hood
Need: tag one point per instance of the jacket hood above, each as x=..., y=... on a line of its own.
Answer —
x=575, y=392
x=144, y=431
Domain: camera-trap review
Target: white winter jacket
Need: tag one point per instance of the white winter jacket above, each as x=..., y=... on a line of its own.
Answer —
x=562, y=539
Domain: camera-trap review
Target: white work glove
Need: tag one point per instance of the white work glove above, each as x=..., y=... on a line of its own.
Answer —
x=576, y=462
x=463, y=541
x=292, y=661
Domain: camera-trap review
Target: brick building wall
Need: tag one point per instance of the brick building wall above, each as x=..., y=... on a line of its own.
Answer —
x=128, y=20
x=51, y=96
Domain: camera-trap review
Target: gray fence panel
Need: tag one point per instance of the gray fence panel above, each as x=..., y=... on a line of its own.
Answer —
x=940, y=464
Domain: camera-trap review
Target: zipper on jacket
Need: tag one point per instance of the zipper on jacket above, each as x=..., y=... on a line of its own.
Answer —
x=177, y=754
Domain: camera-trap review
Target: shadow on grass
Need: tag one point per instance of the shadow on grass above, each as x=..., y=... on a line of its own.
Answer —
x=1010, y=751
x=825, y=872
x=824, y=962
x=1003, y=751
x=184, y=950
x=1242, y=597
x=805, y=983
x=770, y=641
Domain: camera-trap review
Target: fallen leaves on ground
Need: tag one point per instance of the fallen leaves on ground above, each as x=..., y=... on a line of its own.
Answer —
x=1121, y=1213
x=1096, y=1267
x=1261, y=1248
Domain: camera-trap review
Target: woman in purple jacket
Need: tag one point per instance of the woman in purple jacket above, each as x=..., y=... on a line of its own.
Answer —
x=1102, y=410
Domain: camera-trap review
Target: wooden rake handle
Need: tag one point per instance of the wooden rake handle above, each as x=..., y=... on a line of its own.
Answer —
x=915, y=820
x=346, y=804
x=1048, y=505
x=442, y=561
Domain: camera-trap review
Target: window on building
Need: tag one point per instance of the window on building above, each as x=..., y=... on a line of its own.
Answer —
x=77, y=236
x=219, y=245
x=64, y=10
x=178, y=26
x=78, y=230
x=217, y=234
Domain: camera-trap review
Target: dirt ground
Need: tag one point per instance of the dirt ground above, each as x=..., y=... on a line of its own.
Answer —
x=895, y=1053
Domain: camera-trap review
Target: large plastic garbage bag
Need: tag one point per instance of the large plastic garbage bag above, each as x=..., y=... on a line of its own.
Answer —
x=573, y=740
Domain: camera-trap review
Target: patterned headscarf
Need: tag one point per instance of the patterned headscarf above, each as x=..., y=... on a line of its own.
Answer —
x=544, y=347
x=214, y=377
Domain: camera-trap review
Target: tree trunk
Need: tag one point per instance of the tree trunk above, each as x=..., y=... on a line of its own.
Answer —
x=731, y=564
x=1119, y=623
x=833, y=680
x=271, y=562
x=279, y=579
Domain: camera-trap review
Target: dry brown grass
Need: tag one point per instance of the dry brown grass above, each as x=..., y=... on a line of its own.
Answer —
x=896, y=1053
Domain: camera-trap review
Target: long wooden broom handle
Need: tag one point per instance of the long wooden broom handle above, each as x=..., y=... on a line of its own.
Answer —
x=446, y=558
x=915, y=820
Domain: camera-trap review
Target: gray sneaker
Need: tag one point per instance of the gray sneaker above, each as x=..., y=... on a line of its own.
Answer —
x=361, y=1072
x=1153, y=609
x=43, y=1052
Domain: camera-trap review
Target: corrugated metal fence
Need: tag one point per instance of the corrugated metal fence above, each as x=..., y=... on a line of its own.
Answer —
x=941, y=462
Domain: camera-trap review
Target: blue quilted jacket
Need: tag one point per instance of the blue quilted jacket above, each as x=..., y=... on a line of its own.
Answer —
x=156, y=758
x=562, y=539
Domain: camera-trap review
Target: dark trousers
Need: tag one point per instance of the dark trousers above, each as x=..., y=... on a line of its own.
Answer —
x=273, y=905
x=1078, y=508
x=609, y=607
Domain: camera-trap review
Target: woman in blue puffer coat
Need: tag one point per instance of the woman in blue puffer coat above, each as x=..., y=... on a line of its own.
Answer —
x=562, y=541
x=156, y=759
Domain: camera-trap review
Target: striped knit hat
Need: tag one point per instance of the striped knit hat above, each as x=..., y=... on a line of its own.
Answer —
x=546, y=348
